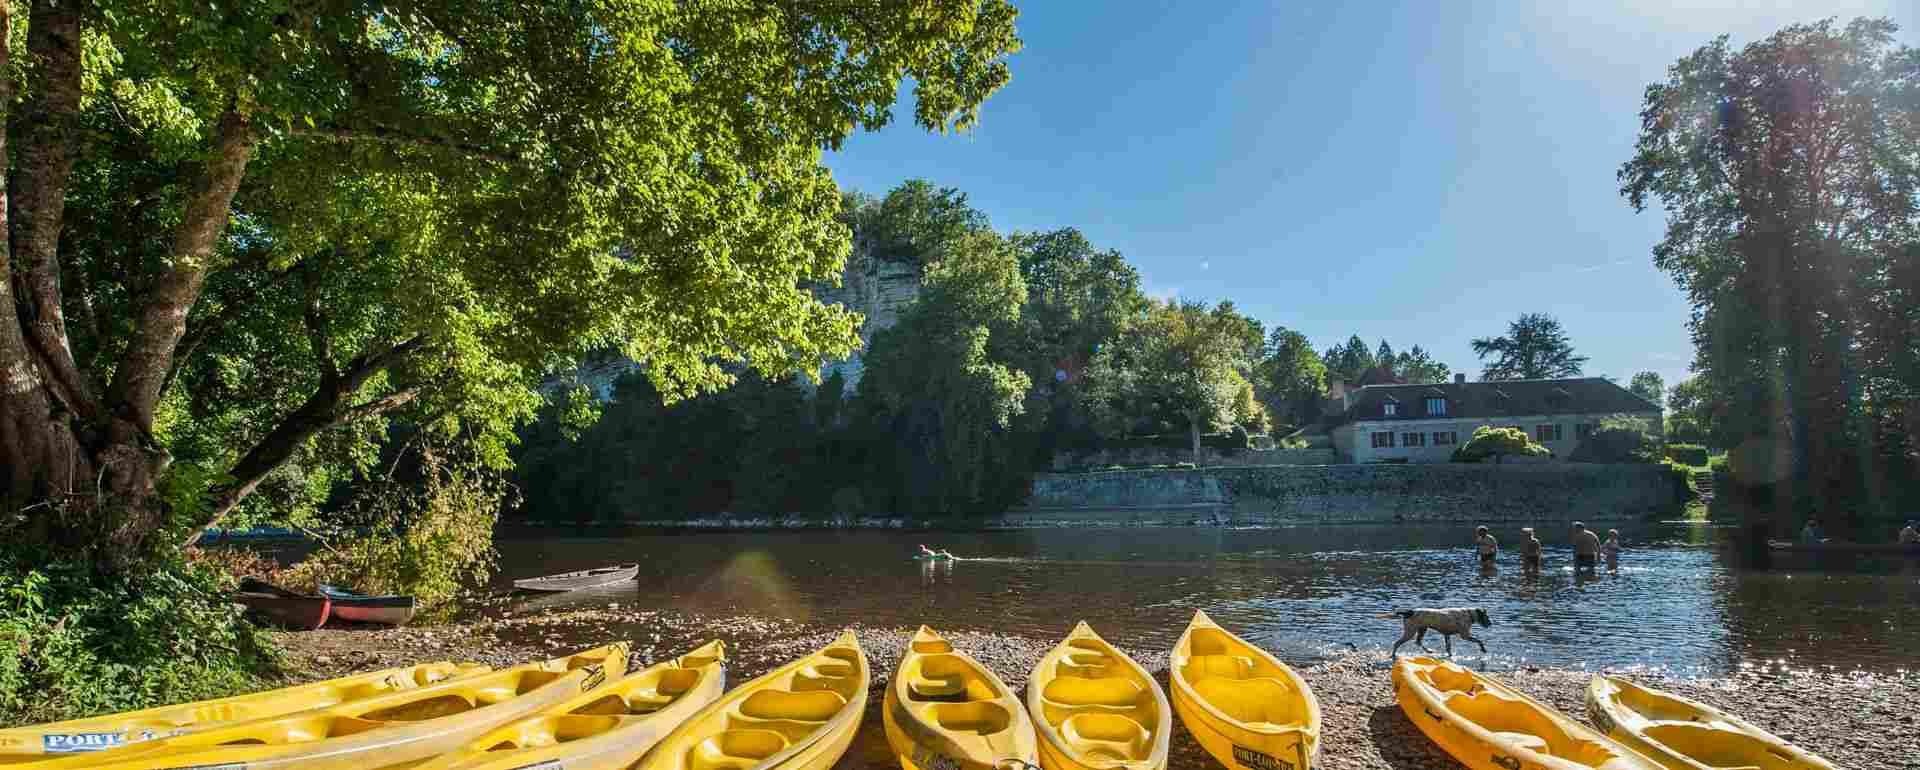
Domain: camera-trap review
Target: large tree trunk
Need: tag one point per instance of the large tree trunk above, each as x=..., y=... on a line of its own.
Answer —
x=1193, y=432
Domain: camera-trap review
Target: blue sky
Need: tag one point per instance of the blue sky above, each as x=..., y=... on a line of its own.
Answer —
x=1422, y=173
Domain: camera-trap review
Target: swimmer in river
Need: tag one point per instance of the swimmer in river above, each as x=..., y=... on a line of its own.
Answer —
x=1531, y=551
x=1611, y=550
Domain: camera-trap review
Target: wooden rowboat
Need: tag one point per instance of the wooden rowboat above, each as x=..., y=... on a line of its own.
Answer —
x=1097, y=709
x=1242, y=705
x=945, y=710
x=293, y=610
x=574, y=581
x=361, y=608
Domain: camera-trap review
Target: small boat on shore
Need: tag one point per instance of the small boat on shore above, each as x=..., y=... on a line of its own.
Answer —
x=1487, y=725
x=605, y=728
x=574, y=581
x=1686, y=735
x=290, y=609
x=943, y=710
x=114, y=731
x=1241, y=704
x=395, y=728
x=800, y=716
x=1096, y=709
x=361, y=608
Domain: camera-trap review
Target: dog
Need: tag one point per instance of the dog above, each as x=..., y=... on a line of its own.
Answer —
x=1450, y=622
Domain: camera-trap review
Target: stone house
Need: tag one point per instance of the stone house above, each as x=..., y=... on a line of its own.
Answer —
x=1426, y=423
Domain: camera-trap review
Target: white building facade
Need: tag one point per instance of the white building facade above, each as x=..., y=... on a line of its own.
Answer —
x=1426, y=423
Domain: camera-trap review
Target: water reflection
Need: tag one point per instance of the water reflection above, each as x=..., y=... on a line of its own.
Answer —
x=1303, y=591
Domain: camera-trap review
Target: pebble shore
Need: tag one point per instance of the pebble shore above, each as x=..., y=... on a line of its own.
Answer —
x=1854, y=720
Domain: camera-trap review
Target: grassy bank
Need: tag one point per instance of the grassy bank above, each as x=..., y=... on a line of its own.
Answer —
x=1852, y=720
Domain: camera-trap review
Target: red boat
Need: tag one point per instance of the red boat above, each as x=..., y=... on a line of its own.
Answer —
x=297, y=611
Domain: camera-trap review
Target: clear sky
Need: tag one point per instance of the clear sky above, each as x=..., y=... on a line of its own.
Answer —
x=1422, y=173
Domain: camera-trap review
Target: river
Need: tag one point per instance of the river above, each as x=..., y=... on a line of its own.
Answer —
x=1678, y=604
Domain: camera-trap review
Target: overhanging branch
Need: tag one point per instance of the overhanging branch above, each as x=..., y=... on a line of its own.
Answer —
x=384, y=135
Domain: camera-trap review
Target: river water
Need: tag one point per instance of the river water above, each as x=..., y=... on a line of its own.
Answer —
x=1678, y=604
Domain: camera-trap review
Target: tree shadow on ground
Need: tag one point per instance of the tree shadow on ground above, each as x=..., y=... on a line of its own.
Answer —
x=1401, y=745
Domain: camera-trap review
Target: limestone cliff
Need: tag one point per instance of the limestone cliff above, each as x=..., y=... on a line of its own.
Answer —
x=878, y=289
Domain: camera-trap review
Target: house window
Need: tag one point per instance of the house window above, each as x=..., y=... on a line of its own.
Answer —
x=1546, y=432
x=1391, y=408
x=1383, y=440
x=1583, y=430
x=1437, y=407
x=1413, y=439
x=1445, y=438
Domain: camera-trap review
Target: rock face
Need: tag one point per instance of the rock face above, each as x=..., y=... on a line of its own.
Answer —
x=878, y=289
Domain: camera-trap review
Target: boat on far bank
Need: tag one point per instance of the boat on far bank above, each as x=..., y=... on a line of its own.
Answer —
x=1897, y=549
x=574, y=581
x=361, y=608
x=294, y=610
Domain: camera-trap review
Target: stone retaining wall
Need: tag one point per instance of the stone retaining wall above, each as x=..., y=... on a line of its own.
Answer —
x=1209, y=457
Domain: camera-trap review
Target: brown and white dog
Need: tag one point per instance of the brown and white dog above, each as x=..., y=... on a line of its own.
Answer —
x=1449, y=623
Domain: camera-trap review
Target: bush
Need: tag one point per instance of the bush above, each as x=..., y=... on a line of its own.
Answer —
x=79, y=643
x=1498, y=443
x=1719, y=465
x=1619, y=440
x=1687, y=454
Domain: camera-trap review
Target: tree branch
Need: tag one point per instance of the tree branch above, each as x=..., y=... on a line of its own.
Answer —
x=384, y=135
x=379, y=406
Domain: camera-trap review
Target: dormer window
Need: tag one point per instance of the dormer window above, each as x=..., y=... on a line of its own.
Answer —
x=1436, y=406
x=1391, y=409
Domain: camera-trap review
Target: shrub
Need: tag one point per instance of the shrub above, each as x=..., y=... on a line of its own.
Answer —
x=1498, y=443
x=1619, y=440
x=79, y=643
x=1719, y=465
x=1687, y=454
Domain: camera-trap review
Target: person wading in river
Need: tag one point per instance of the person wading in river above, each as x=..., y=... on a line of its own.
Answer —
x=1611, y=549
x=1487, y=546
x=1530, y=551
x=1586, y=548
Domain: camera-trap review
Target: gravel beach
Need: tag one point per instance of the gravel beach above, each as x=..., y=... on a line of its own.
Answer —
x=1855, y=720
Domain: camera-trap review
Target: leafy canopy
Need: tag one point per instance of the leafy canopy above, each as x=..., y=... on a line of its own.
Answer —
x=1535, y=347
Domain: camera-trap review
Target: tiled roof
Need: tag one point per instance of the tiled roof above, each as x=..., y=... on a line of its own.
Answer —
x=1470, y=400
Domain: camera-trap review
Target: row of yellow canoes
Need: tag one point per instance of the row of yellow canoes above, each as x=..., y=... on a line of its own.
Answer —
x=1088, y=706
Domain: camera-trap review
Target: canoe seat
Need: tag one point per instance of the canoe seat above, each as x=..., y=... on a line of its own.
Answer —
x=824, y=677
x=736, y=750
x=936, y=689
x=980, y=717
x=1107, y=737
x=1091, y=665
x=1081, y=691
x=1451, y=678
x=1712, y=746
x=1254, y=701
x=804, y=706
x=1229, y=666
x=1527, y=741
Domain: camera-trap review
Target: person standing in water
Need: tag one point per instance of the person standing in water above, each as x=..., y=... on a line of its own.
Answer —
x=1611, y=549
x=1531, y=551
x=1487, y=546
x=1586, y=548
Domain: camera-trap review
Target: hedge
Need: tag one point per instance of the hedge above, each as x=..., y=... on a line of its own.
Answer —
x=1687, y=454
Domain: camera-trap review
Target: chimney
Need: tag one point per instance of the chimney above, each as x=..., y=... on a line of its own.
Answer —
x=1460, y=378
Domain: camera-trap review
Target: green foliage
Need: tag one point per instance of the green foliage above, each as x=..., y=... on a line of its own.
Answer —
x=1619, y=440
x=1345, y=363
x=1535, y=347
x=915, y=223
x=78, y=643
x=1650, y=386
x=1415, y=366
x=1691, y=413
x=1497, y=444
x=1693, y=455
x=1291, y=378
x=1183, y=358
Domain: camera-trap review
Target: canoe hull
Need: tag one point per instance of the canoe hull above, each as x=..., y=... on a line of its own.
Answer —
x=574, y=581
x=1683, y=734
x=945, y=711
x=1095, y=708
x=1533, y=736
x=800, y=716
x=1216, y=675
x=300, y=613
x=359, y=608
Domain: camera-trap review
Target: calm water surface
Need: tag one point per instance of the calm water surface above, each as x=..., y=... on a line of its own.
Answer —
x=1678, y=602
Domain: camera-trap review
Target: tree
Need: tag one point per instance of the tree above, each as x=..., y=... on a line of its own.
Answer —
x=1650, y=386
x=1788, y=170
x=413, y=213
x=1619, y=439
x=915, y=223
x=1345, y=363
x=1691, y=413
x=1418, y=368
x=1184, y=357
x=1489, y=442
x=1534, y=348
x=1292, y=378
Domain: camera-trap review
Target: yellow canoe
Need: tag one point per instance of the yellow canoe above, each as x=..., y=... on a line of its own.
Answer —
x=392, y=729
x=113, y=731
x=1487, y=725
x=605, y=728
x=1686, y=735
x=945, y=711
x=1242, y=705
x=800, y=716
x=1096, y=709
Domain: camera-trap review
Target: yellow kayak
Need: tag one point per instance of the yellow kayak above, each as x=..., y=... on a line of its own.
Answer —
x=1686, y=735
x=1487, y=725
x=800, y=716
x=1096, y=709
x=605, y=728
x=945, y=711
x=1242, y=705
x=112, y=731
x=392, y=729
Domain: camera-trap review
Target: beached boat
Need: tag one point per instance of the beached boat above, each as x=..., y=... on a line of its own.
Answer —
x=944, y=710
x=574, y=581
x=606, y=728
x=113, y=731
x=1241, y=704
x=1682, y=734
x=361, y=608
x=391, y=729
x=1094, y=708
x=1487, y=725
x=1892, y=549
x=800, y=716
x=282, y=607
